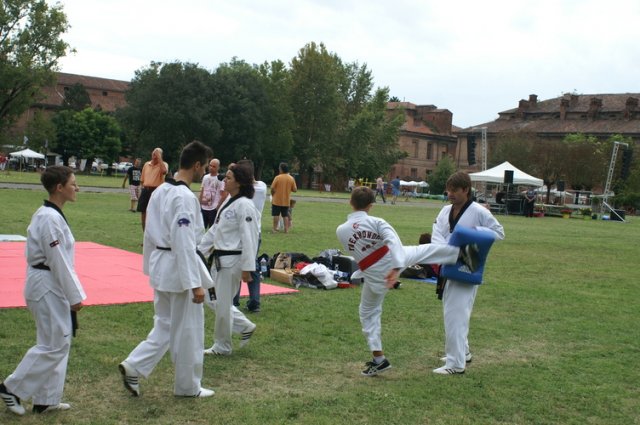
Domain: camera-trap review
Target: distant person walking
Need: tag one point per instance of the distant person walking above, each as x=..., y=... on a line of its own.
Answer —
x=380, y=189
x=152, y=176
x=133, y=174
x=281, y=188
x=395, y=189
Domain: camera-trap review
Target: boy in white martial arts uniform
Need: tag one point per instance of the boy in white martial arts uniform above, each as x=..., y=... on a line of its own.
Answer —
x=377, y=248
x=233, y=240
x=179, y=279
x=458, y=297
x=51, y=291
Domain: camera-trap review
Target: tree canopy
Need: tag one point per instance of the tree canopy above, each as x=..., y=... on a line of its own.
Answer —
x=30, y=46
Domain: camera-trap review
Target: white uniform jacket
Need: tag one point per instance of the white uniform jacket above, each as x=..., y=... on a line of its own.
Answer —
x=236, y=229
x=50, y=242
x=363, y=234
x=475, y=216
x=173, y=228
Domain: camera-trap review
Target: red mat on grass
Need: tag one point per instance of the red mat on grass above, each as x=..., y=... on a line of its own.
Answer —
x=108, y=275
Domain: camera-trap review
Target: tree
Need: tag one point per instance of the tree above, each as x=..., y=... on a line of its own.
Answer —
x=370, y=143
x=277, y=141
x=438, y=179
x=315, y=99
x=241, y=91
x=30, y=46
x=586, y=161
x=169, y=105
x=76, y=98
x=540, y=157
x=87, y=134
x=41, y=131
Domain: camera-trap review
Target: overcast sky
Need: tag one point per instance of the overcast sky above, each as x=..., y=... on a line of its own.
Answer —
x=472, y=57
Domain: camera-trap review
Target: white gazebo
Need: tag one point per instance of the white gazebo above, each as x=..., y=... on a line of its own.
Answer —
x=496, y=175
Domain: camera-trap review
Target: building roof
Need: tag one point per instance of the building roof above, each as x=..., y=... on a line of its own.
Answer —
x=103, y=92
x=571, y=113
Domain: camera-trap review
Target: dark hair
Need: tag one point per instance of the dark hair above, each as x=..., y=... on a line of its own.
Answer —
x=54, y=175
x=243, y=175
x=425, y=238
x=284, y=167
x=195, y=151
x=362, y=197
x=248, y=163
x=459, y=180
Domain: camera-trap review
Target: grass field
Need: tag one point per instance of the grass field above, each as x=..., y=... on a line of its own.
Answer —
x=554, y=333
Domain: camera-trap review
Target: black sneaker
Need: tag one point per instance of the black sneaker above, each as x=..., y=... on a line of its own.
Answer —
x=374, y=368
x=470, y=256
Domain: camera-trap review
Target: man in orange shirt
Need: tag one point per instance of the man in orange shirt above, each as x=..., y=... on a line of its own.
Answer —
x=152, y=176
x=281, y=189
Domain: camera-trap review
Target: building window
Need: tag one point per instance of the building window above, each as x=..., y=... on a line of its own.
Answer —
x=415, y=147
x=429, y=150
x=414, y=173
x=105, y=93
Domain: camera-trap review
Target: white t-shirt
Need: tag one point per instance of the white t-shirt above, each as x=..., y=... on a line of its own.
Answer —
x=212, y=189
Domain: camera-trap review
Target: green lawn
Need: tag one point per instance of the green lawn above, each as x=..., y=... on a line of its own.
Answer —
x=554, y=333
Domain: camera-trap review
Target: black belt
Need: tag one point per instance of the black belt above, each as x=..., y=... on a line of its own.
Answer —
x=41, y=266
x=223, y=253
x=163, y=248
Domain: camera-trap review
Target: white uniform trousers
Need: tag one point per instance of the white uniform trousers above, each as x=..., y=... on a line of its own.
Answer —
x=228, y=318
x=41, y=373
x=374, y=289
x=178, y=326
x=239, y=321
x=430, y=254
x=457, y=304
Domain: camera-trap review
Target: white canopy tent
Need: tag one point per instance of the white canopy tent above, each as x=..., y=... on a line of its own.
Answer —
x=27, y=154
x=496, y=175
x=413, y=183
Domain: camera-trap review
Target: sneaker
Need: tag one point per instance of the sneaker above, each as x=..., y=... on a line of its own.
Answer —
x=374, y=368
x=470, y=256
x=41, y=408
x=212, y=352
x=467, y=358
x=204, y=392
x=448, y=371
x=130, y=378
x=246, y=334
x=11, y=401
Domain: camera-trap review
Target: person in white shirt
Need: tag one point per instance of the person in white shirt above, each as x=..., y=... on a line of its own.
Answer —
x=179, y=279
x=458, y=297
x=377, y=248
x=52, y=290
x=212, y=193
x=233, y=241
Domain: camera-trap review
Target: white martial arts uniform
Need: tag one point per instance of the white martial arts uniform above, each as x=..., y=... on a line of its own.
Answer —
x=174, y=226
x=236, y=229
x=362, y=235
x=458, y=297
x=49, y=295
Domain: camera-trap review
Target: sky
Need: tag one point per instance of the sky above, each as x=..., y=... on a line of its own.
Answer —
x=475, y=58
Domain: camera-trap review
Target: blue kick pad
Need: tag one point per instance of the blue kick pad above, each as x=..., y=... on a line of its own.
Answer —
x=464, y=236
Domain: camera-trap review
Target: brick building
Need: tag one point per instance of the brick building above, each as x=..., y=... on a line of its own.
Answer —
x=427, y=135
x=599, y=115
x=105, y=94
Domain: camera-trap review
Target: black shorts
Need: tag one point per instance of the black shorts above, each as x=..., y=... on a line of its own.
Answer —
x=143, y=200
x=208, y=216
x=277, y=210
